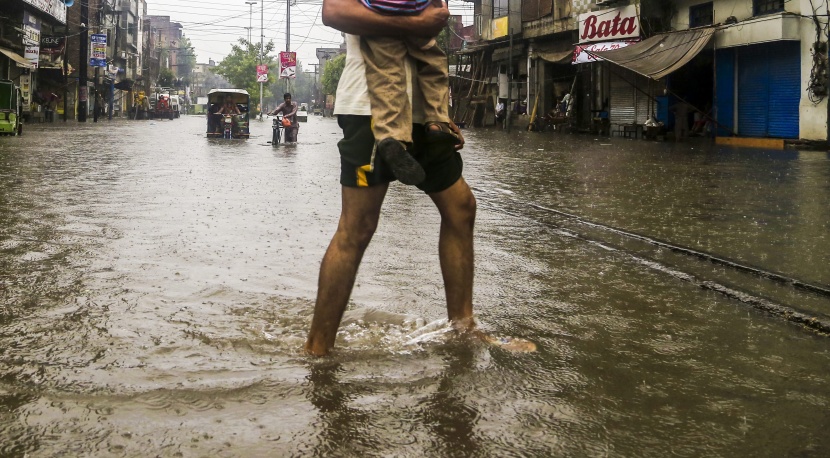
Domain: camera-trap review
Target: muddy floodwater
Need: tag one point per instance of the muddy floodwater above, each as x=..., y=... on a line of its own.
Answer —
x=156, y=287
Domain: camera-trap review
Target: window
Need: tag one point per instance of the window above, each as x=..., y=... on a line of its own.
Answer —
x=760, y=7
x=701, y=15
x=501, y=8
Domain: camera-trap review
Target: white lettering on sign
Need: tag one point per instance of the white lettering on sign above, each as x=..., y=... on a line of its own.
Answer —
x=610, y=24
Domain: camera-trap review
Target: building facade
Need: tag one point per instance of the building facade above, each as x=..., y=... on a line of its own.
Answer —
x=32, y=52
x=752, y=68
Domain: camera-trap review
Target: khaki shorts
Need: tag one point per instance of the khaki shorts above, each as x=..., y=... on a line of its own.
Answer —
x=360, y=168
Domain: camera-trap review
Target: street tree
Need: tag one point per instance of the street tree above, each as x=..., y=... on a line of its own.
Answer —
x=186, y=60
x=239, y=67
x=331, y=74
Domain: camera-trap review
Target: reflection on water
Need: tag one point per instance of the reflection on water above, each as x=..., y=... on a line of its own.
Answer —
x=155, y=301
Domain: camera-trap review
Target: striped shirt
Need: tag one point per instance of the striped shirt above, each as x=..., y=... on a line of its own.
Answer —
x=396, y=6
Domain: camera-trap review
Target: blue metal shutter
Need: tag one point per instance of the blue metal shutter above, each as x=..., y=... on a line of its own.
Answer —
x=725, y=93
x=784, y=89
x=753, y=91
x=769, y=89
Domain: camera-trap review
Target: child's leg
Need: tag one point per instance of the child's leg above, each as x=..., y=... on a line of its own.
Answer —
x=384, y=60
x=433, y=78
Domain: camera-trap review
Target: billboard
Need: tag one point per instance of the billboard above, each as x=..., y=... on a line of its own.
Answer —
x=98, y=50
x=288, y=65
x=261, y=73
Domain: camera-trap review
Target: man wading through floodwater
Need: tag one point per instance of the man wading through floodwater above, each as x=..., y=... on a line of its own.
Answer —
x=365, y=179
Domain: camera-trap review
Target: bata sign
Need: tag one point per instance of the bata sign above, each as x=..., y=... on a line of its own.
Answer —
x=611, y=24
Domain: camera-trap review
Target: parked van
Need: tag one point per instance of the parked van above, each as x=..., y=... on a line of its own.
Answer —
x=175, y=105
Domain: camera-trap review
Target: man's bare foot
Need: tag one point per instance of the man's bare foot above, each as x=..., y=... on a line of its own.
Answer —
x=314, y=349
x=514, y=344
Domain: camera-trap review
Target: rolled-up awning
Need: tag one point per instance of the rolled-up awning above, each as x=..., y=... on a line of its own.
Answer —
x=21, y=61
x=660, y=55
x=555, y=57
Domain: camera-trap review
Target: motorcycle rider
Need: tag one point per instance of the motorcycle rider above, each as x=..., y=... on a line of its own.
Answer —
x=289, y=112
x=227, y=108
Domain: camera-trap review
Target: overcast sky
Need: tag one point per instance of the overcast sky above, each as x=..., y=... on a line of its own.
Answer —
x=214, y=25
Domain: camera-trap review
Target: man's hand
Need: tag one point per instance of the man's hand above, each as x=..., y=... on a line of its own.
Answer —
x=457, y=132
x=435, y=19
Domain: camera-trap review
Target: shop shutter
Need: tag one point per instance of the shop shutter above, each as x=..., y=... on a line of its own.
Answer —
x=725, y=93
x=644, y=99
x=769, y=87
x=753, y=91
x=622, y=110
x=784, y=89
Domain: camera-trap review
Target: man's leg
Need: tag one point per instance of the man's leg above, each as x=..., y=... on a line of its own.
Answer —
x=358, y=221
x=457, y=207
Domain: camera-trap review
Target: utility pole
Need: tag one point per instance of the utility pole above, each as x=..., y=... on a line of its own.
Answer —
x=83, y=94
x=261, y=53
x=287, y=34
x=250, y=18
x=115, y=55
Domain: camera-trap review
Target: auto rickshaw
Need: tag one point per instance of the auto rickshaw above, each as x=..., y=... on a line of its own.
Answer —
x=224, y=125
x=11, y=120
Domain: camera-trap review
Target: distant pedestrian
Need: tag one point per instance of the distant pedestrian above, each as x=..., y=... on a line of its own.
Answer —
x=681, y=120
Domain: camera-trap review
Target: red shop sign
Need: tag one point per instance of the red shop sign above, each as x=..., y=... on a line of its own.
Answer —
x=610, y=24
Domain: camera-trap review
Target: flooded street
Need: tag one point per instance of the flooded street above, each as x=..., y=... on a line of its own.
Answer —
x=156, y=287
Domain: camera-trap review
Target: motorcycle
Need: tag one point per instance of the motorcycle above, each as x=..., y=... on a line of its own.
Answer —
x=276, y=126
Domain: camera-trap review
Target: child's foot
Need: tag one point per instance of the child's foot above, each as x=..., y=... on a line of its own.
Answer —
x=405, y=168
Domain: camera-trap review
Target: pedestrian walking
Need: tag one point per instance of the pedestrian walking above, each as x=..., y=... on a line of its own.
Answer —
x=364, y=181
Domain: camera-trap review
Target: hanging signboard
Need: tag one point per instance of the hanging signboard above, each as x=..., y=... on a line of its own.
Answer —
x=261, y=73
x=32, y=54
x=288, y=65
x=55, y=8
x=610, y=24
x=583, y=53
x=51, y=52
x=31, y=38
x=98, y=50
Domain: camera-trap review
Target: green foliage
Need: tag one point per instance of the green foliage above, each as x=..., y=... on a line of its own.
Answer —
x=331, y=74
x=239, y=67
x=166, y=77
x=186, y=59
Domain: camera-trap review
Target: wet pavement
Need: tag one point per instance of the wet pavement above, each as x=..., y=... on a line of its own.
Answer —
x=156, y=286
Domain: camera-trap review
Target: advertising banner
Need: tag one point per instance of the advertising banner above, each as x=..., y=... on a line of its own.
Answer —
x=51, y=52
x=261, y=73
x=610, y=24
x=98, y=50
x=32, y=54
x=288, y=65
x=31, y=38
x=582, y=53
